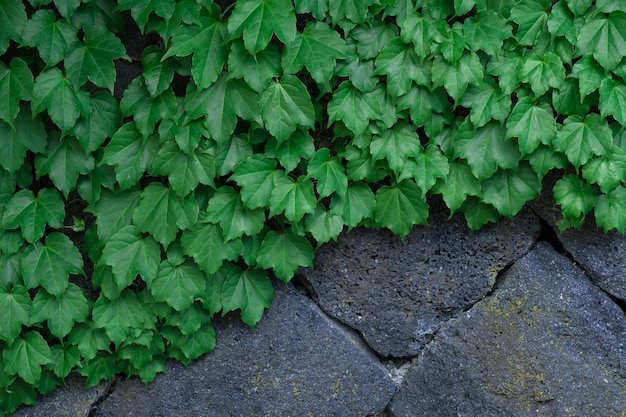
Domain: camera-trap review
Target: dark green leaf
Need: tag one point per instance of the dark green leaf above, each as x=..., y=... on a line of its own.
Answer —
x=350, y=106
x=284, y=253
x=457, y=76
x=399, y=62
x=257, y=69
x=354, y=10
x=26, y=355
x=422, y=102
x=604, y=37
x=329, y=173
x=459, y=184
x=508, y=190
x=52, y=37
x=206, y=244
x=610, y=211
x=64, y=359
x=400, y=207
x=356, y=204
x=227, y=209
x=61, y=311
x=532, y=19
x=27, y=133
x=487, y=102
x=250, y=291
x=396, y=145
x=147, y=110
x=118, y=317
x=542, y=72
x=33, y=213
x=178, y=285
x=607, y=171
x=15, y=304
x=54, y=92
x=613, y=100
x=477, y=213
x=426, y=168
x=486, y=31
x=101, y=123
x=581, y=139
x=293, y=198
x=114, y=210
x=561, y=22
x=323, y=225
x=291, y=151
x=589, y=75
x=256, y=177
x=12, y=20
x=532, y=124
x=16, y=84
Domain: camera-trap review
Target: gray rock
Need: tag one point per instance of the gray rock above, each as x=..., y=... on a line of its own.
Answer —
x=297, y=362
x=546, y=343
x=397, y=294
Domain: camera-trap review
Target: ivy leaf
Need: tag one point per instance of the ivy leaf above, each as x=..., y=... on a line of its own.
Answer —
x=508, y=190
x=323, y=225
x=285, y=104
x=292, y=150
x=256, y=177
x=399, y=62
x=162, y=213
x=426, y=168
x=63, y=160
x=27, y=133
x=103, y=121
x=49, y=265
x=396, y=145
x=61, y=311
x=250, y=291
x=206, y=41
x=418, y=29
x=258, y=20
x=189, y=320
x=329, y=173
x=350, y=106
x=284, y=253
x=589, y=75
x=32, y=213
x=532, y=18
x=178, y=285
x=613, y=100
x=506, y=66
x=16, y=84
x=607, y=171
x=118, y=317
x=15, y=304
x=561, y=22
x=422, y=102
x=604, y=36
x=400, y=207
x=293, y=198
x=257, y=69
x=610, y=211
x=544, y=158
x=114, y=210
x=581, y=139
x=317, y=48
x=356, y=204
x=52, y=37
x=54, y=92
x=457, y=76
x=89, y=339
x=486, y=31
x=575, y=196
x=487, y=102
x=477, y=213
x=532, y=124
x=93, y=58
x=227, y=209
x=542, y=72
x=130, y=153
x=101, y=367
x=12, y=20
x=206, y=244
x=459, y=184
x=145, y=109
x=26, y=355
x=354, y=10
x=130, y=254
x=64, y=359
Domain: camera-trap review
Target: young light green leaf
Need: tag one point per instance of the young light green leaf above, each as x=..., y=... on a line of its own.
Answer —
x=54, y=92
x=356, y=204
x=61, y=311
x=607, y=171
x=457, y=76
x=162, y=213
x=604, y=36
x=323, y=225
x=12, y=20
x=459, y=184
x=581, y=139
x=396, y=145
x=284, y=253
x=613, y=100
x=532, y=124
x=50, y=264
x=487, y=102
x=257, y=69
x=508, y=190
x=426, y=168
x=293, y=198
x=575, y=196
x=26, y=355
x=400, y=207
x=285, y=104
x=52, y=37
x=256, y=176
x=610, y=210
x=329, y=173
x=531, y=17
x=32, y=213
x=102, y=122
x=118, y=317
x=178, y=285
x=15, y=304
x=542, y=72
x=258, y=20
x=206, y=244
x=27, y=133
x=227, y=209
x=486, y=31
x=250, y=291
x=16, y=84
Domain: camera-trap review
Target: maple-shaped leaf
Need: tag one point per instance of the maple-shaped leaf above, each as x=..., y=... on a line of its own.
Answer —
x=486, y=148
x=542, y=72
x=399, y=62
x=486, y=31
x=608, y=6
x=355, y=205
x=130, y=254
x=607, y=171
x=350, y=106
x=102, y=122
x=162, y=213
x=259, y=20
x=399, y=207
x=477, y=213
x=118, y=317
x=250, y=291
x=92, y=59
x=610, y=210
x=12, y=20
x=604, y=36
x=422, y=102
x=613, y=99
x=196, y=344
x=208, y=247
x=396, y=145
x=561, y=22
x=63, y=160
x=293, y=198
x=55, y=93
x=16, y=84
x=101, y=367
x=487, y=102
x=362, y=74
x=141, y=10
x=505, y=65
x=290, y=152
x=185, y=132
x=419, y=29
x=544, y=158
x=457, y=76
x=319, y=8
x=581, y=139
x=50, y=35
x=226, y=208
x=284, y=253
x=256, y=177
x=130, y=153
x=426, y=168
x=189, y=320
x=354, y=10
x=329, y=173
x=89, y=339
x=457, y=186
x=178, y=285
x=32, y=213
x=114, y=210
x=64, y=359
x=256, y=69
x=15, y=304
x=532, y=124
x=589, y=75
x=508, y=190
x=26, y=356
x=323, y=225
x=206, y=41
x=50, y=264
x=531, y=17
x=568, y=101
x=60, y=311
x=575, y=196
x=231, y=153
x=27, y=133
x=317, y=48
x=145, y=109
x=285, y=104
x=158, y=72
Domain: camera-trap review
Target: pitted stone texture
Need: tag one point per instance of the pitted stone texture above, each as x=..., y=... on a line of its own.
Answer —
x=546, y=343
x=297, y=362
x=397, y=294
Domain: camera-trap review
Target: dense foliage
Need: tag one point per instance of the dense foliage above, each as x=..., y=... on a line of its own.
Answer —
x=132, y=213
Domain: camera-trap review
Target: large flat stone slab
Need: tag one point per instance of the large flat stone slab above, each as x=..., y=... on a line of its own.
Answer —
x=546, y=343
x=297, y=362
x=398, y=293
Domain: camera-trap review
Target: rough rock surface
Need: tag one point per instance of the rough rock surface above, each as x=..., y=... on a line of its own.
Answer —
x=547, y=343
x=397, y=294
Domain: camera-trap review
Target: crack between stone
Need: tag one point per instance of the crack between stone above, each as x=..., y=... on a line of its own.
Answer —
x=93, y=409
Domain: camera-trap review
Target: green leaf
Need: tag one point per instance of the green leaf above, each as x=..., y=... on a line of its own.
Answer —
x=567, y=100
x=457, y=76
x=64, y=359
x=589, y=75
x=292, y=150
x=487, y=102
x=459, y=184
x=250, y=291
x=532, y=124
x=610, y=211
x=16, y=84
x=293, y=198
x=93, y=58
x=257, y=69
x=130, y=153
x=418, y=28
x=49, y=265
x=145, y=109
x=478, y=214
x=15, y=304
x=319, y=8
x=102, y=122
x=27, y=133
x=531, y=17
x=355, y=10
x=607, y=171
x=581, y=139
x=258, y=20
x=16, y=394
x=32, y=213
x=613, y=100
x=396, y=145
x=130, y=254
x=89, y=339
x=317, y=48
x=608, y=6
x=329, y=173
x=227, y=209
x=101, y=367
x=208, y=247
x=399, y=62
x=189, y=320
x=284, y=253
x=118, y=317
x=256, y=176
x=12, y=20
x=426, y=168
x=506, y=66
x=350, y=106
x=60, y=311
x=542, y=72
x=508, y=190
x=400, y=207
x=544, y=158
x=604, y=37
x=197, y=344
x=575, y=196
x=178, y=285
x=113, y=211
x=162, y=213
x=422, y=102
x=323, y=225
x=486, y=31
x=63, y=160
x=206, y=41
x=54, y=92
x=26, y=355
x=285, y=104
x=561, y=22
x=52, y=37
x=158, y=73
x=356, y=204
